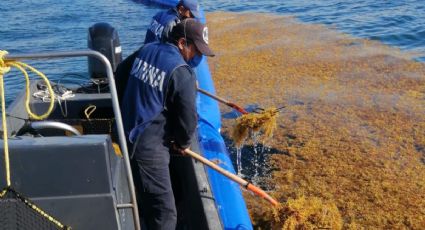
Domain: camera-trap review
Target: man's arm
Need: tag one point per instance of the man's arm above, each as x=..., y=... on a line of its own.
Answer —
x=123, y=72
x=182, y=105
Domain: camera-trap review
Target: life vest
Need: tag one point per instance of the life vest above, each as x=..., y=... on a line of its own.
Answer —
x=145, y=94
x=159, y=22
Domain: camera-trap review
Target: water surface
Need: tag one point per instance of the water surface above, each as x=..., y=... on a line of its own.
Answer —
x=50, y=25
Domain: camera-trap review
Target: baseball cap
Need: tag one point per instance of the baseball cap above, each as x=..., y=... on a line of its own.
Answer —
x=193, y=6
x=194, y=31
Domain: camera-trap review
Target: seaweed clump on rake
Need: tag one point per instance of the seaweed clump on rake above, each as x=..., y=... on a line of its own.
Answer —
x=251, y=123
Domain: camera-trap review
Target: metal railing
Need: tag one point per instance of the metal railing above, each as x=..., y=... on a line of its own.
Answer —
x=115, y=106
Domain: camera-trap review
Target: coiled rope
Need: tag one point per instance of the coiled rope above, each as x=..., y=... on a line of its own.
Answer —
x=5, y=66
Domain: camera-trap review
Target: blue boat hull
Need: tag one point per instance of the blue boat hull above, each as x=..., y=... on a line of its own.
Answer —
x=228, y=195
x=229, y=199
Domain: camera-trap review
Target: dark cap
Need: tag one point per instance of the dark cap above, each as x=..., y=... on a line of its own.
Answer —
x=194, y=31
x=193, y=6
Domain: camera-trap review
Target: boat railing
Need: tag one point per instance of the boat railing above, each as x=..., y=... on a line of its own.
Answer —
x=115, y=106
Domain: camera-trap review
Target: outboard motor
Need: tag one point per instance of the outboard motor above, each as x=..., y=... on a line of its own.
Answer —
x=104, y=39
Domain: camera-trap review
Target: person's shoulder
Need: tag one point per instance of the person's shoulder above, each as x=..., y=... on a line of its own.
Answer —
x=186, y=68
x=184, y=71
x=173, y=11
x=182, y=76
x=169, y=12
x=162, y=12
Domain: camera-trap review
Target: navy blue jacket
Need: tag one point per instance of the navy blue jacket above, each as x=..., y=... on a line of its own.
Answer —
x=161, y=25
x=160, y=108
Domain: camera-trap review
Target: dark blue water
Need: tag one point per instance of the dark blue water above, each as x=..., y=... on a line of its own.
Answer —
x=396, y=23
x=51, y=25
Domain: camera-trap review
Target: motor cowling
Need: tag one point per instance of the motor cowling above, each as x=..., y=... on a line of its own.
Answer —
x=103, y=38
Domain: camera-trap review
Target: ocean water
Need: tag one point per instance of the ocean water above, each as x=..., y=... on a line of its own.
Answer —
x=50, y=25
x=396, y=23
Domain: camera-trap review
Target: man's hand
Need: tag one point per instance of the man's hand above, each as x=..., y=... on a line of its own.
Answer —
x=178, y=149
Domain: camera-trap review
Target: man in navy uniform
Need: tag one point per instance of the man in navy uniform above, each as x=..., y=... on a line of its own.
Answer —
x=159, y=113
x=164, y=21
x=159, y=30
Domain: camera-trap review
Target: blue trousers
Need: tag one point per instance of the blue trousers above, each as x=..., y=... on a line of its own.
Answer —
x=153, y=187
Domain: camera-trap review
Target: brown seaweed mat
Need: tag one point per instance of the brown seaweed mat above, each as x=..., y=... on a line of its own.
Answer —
x=353, y=130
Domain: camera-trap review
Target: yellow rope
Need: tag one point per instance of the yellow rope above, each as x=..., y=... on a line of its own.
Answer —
x=50, y=218
x=89, y=110
x=2, y=193
x=5, y=68
x=21, y=66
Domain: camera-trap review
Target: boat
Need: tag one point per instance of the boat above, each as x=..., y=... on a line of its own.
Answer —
x=74, y=164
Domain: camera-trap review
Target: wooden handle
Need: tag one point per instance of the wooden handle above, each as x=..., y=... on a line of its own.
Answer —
x=232, y=177
x=238, y=108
